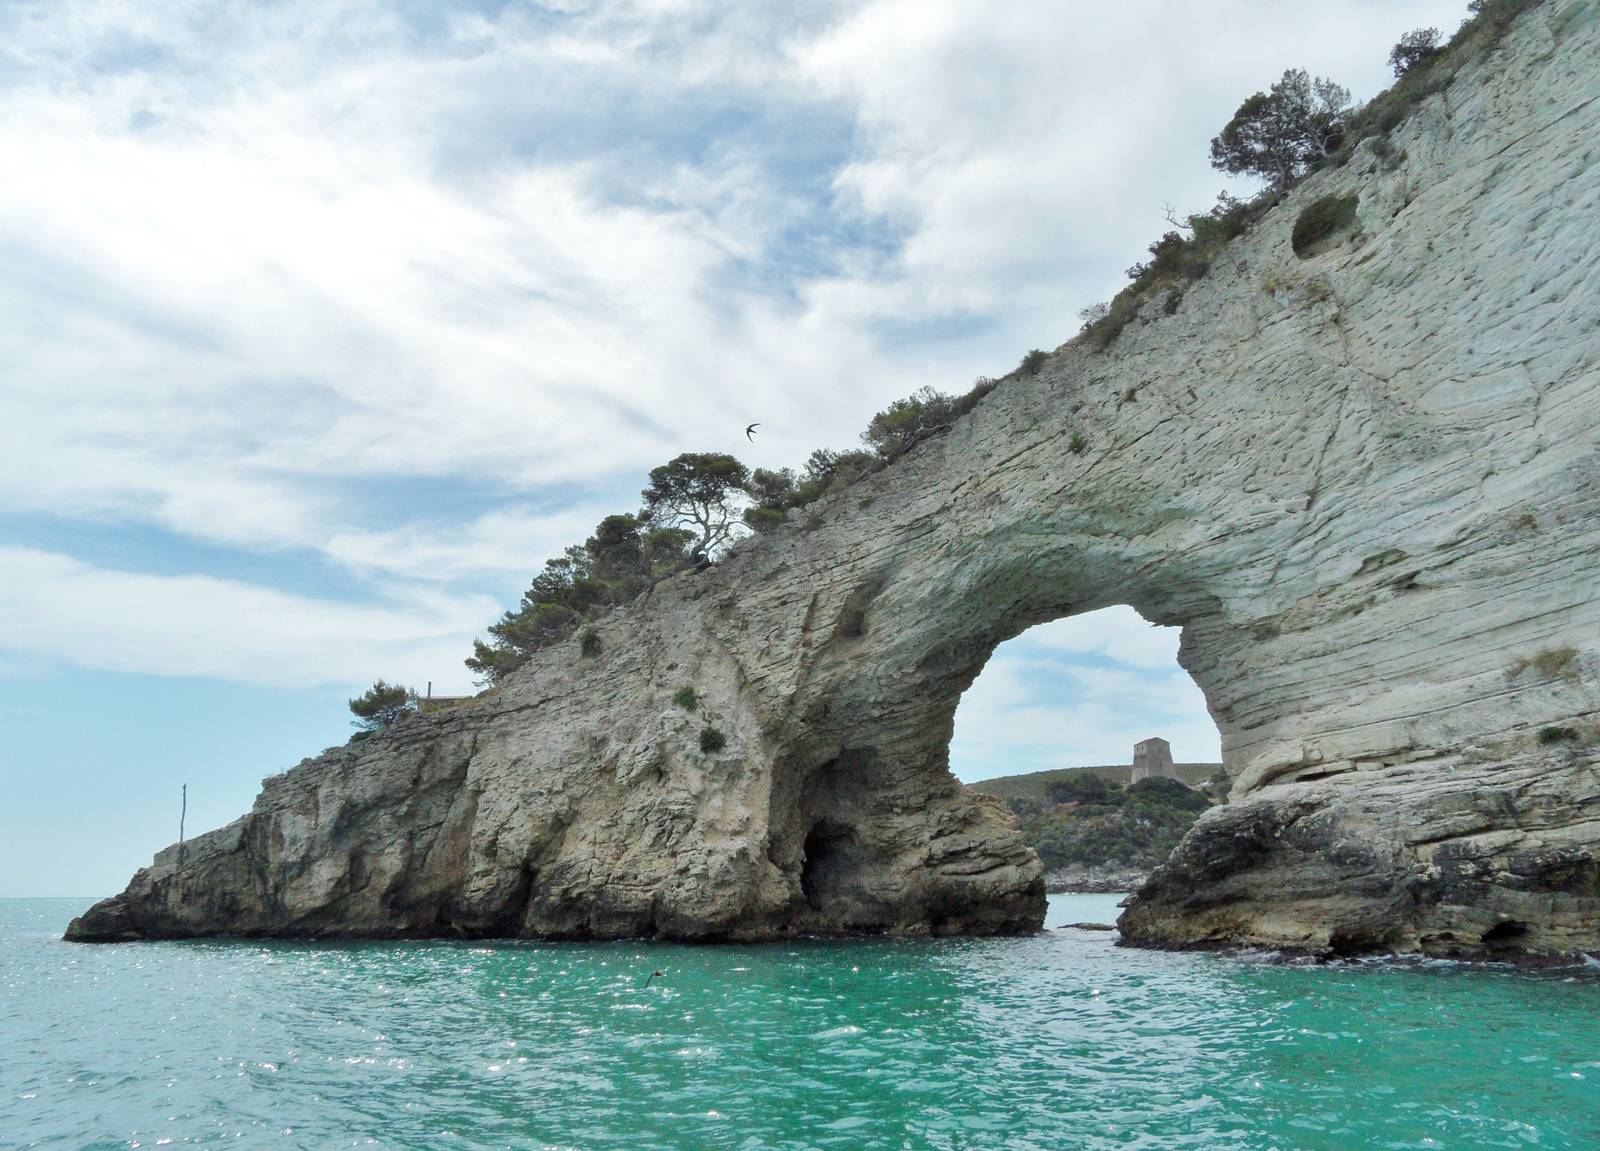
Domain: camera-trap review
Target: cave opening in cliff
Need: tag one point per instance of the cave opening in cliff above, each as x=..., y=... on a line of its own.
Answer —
x=825, y=863
x=1091, y=691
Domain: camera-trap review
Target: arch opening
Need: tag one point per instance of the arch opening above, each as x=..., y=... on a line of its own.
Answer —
x=1101, y=745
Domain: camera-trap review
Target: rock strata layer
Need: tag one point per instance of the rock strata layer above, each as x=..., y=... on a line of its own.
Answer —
x=1365, y=483
x=1087, y=879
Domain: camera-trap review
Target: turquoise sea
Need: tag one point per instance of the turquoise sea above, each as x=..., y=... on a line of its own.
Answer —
x=1056, y=1041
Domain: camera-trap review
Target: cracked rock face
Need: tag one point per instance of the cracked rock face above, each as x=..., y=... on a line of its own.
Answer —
x=1365, y=482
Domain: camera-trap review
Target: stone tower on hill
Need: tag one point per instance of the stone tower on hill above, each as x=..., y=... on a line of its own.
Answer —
x=1152, y=759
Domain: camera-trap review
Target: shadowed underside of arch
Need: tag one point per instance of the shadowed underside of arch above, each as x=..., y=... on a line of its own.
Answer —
x=1365, y=484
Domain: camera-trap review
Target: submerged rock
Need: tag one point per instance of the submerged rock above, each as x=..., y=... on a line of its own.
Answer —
x=1365, y=482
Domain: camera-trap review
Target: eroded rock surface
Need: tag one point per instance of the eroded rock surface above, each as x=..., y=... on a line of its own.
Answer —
x=1366, y=483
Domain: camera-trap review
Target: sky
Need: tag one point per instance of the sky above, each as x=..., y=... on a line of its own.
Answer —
x=324, y=322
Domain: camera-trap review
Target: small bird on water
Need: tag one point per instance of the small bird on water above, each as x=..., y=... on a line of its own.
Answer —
x=750, y=432
x=652, y=975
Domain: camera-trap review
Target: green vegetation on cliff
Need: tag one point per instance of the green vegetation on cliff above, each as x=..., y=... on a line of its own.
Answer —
x=1298, y=126
x=382, y=705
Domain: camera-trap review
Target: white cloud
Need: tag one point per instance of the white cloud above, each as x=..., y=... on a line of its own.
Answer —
x=276, y=283
x=1117, y=633
x=492, y=545
x=262, y=261
x=60, y=609
x=1027, y=152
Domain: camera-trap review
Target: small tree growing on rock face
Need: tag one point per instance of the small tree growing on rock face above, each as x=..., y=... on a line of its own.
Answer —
x=773, y=492
x=1278, y=133
x=825, y=467
x=381, y=705
x=905, y=423
x=1414, y=47
x=616, y=552
x=622, y=558
x=698, y=492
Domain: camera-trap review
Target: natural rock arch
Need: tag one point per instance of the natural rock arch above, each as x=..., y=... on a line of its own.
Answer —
x=1365, y=483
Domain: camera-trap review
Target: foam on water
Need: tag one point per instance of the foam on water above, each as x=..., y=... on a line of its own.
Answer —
x=1056, y=1041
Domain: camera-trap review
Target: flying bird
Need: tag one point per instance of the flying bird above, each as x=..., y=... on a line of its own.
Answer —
x=750, y=432
x=652, y=975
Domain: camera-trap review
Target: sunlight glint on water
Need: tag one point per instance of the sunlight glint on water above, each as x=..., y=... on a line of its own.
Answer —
x=1055, y=1041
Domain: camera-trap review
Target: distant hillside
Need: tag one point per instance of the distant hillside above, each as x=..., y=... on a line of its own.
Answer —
x=1096, y=831
x=1033, y=785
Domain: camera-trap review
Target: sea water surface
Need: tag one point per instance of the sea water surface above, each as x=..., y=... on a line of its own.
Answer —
x=1055, y=1041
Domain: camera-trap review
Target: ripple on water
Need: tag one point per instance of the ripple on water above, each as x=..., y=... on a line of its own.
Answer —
x=1059, y=1040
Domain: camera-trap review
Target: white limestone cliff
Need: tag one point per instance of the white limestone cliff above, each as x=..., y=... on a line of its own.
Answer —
x=1366, y=483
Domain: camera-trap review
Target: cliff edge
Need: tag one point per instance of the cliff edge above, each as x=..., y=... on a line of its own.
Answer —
x=1365, y=482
